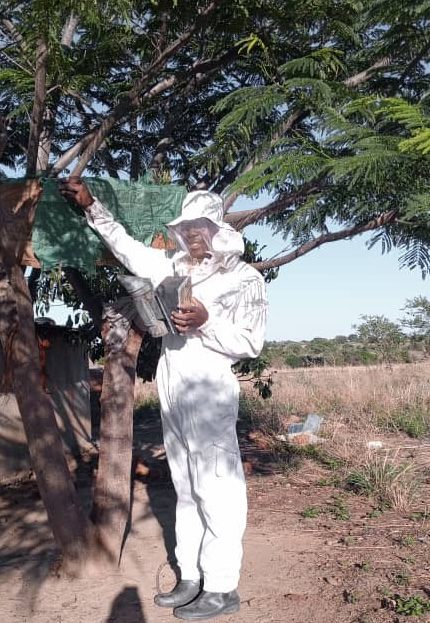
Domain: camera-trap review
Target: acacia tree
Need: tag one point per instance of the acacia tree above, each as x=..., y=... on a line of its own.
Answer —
x=129, y=86
x=383, y=335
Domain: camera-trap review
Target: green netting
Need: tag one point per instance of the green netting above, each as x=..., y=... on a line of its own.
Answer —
x=62, y=236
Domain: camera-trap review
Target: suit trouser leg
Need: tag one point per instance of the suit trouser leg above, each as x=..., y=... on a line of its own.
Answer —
x=220, y=485
x=189, y=528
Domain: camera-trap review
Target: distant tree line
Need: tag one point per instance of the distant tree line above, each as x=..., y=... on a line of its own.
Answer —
x=376, y=339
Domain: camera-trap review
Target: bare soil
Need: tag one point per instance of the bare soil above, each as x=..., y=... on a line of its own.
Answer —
x=342, y=565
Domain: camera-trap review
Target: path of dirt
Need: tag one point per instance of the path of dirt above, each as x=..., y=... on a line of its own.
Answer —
x=327, y=569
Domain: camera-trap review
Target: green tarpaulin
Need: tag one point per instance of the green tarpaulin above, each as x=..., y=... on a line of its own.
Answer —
x=62, y=236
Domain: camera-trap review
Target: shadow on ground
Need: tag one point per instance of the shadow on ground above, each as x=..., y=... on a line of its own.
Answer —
x=127, y=607
x=26, y=543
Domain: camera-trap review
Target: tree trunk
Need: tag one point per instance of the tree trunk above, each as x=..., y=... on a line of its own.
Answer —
x=36, y=121
x=113, y=486
x=73, y=532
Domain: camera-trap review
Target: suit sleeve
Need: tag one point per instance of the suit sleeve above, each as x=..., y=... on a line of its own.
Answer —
x=242, y=336
x=140, y=260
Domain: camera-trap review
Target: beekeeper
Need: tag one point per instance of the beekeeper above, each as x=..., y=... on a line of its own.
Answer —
x=198, y=392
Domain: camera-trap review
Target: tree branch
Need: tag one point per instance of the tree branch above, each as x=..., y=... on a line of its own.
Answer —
x=132, y=99
x=240, y=220
x=69, y=30
x=384, y=219
x=201, y=72
x=289, y=122
x=299, y=115
x=3, y=135
x=419, y=57
x=36, y=122
x=14, y=33
x=363, y=76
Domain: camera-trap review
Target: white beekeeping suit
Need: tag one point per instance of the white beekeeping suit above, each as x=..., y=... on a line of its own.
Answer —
x=198, y=391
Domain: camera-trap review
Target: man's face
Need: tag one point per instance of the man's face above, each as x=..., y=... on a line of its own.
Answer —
x=196, y=236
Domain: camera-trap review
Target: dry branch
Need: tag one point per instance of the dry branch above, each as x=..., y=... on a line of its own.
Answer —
x=380, y=221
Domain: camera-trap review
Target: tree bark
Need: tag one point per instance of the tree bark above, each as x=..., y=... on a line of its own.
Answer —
x=73, y=532
x=36, y=122
x=243, y=218
x=112, y=493
x=45, y=141
x=135, y=163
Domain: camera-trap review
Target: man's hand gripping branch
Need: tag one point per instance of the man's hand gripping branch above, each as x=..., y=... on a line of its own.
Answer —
x=76, y=192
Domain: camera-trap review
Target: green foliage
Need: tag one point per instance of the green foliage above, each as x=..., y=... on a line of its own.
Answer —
x=401, y=578
x=351, y=147
x=349, y=351
x=339, y=509
x=255, y=371
x=324, y=63
x=253, y=253
x=383, y=334
x=412, y=420
x=407, y=540
x=417, y=316
x=247, y=44
x=311, y=512
x=317, y=454
x=391, y=484
x=412, y=605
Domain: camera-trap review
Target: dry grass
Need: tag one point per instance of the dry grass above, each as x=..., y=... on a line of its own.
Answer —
x=392, y=483
x=359, y=404
x=363, y=391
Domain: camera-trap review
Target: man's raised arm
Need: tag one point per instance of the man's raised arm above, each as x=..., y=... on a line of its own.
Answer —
x=140, y=260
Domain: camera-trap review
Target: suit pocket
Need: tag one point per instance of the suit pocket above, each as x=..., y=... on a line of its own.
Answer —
x=226, y=460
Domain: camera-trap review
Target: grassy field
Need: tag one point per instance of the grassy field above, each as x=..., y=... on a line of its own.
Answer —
x=360, y=406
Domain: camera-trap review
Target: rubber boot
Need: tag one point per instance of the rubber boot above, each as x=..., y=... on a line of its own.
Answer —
x=184, y=592
x=209, y=605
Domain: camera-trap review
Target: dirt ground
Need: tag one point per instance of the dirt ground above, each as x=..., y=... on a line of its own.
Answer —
x=342, y=564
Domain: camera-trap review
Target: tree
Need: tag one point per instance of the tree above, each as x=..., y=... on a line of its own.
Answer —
x=417, y=316
x=417, y=319
x=234, y=97
x=383, y=335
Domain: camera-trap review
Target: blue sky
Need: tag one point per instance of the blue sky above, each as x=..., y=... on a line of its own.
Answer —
x=323, y=294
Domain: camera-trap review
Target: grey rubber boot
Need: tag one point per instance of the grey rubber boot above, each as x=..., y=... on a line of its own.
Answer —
x=209, y=605
x=184, y=592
